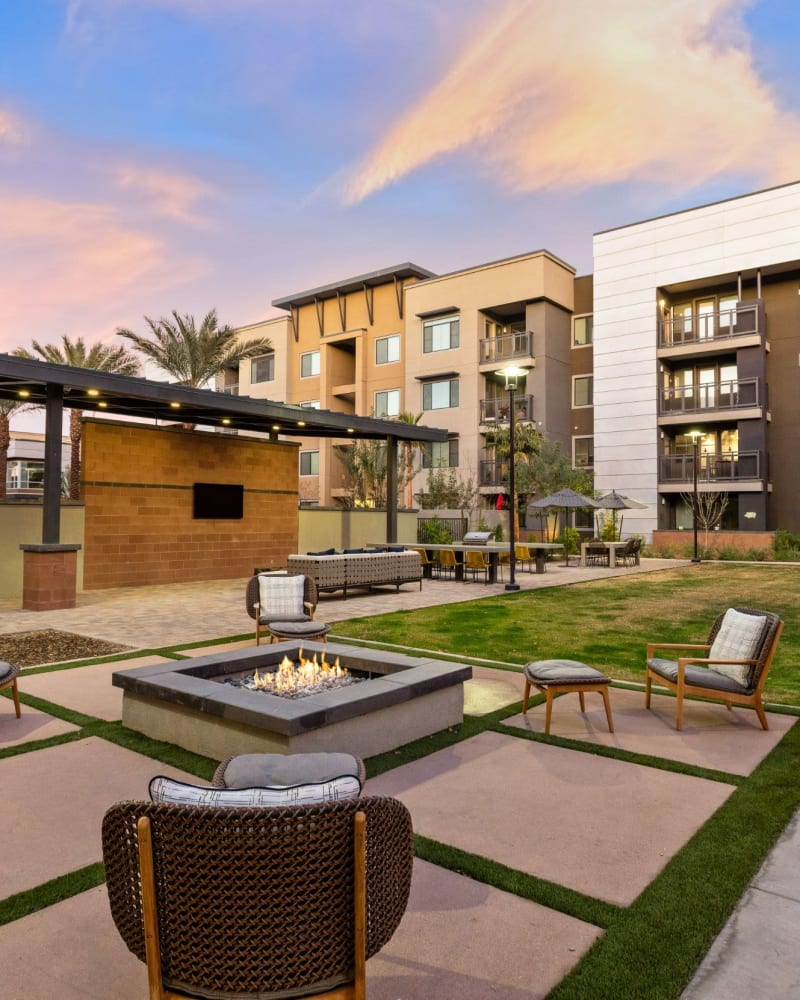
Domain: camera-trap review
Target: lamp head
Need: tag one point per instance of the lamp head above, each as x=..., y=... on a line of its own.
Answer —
x=512, y=374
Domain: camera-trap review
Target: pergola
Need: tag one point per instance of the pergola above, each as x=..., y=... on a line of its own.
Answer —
x=54, y=387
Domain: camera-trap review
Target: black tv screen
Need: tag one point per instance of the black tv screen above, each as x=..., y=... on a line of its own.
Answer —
x=218, y=500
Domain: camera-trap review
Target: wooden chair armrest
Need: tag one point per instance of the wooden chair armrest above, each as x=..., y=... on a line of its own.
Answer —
x=705, y=660
x=674, y=645
x=310, y=608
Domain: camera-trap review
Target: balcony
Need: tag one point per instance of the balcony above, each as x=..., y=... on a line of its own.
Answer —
x=729, y=469
x=705, y=332
x=496, y=411
x=231, y=390
x=493, y=473
x=737, y=398
x=498, y=351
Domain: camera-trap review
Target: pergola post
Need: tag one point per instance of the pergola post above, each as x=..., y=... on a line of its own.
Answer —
x=391, y=489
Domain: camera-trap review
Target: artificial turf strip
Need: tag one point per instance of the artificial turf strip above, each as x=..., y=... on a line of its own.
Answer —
x=538, y=890
x=654, y=948
x=24, y=903
x=52, y=741
x=167, y=753
x=48, y=668
x=629, y=756
x=50, y=708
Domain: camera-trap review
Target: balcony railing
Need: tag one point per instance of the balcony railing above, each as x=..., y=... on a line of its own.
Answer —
x=709, y=396
x=231, y=390
x=743, y=321
x=497, y=350
x=727, y=466
x=493, y=473
x=495, y=411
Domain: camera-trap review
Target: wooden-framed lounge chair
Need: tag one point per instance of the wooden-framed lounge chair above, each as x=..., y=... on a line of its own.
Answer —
x=731, y=667
x=263, y=615
x=258, y=902
x=8, y=678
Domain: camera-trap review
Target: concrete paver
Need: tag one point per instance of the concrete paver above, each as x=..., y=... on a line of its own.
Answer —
x=54, y=801
x=32, y=725
x=85, y=689
x=600, y=826
x=491, y=689
x=711, y=736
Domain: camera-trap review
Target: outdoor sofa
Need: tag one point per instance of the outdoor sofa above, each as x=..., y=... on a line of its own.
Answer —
x=364, y=569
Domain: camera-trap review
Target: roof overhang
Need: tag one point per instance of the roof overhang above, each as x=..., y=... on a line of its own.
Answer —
x=372, y=279
x=97, y=392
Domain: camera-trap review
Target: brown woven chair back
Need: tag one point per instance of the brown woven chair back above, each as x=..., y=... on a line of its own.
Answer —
x=252, y=595
x=768, y=639
x=259, y=901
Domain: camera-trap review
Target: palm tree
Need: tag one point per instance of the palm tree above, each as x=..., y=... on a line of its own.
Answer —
x=101, y=357
x=409, y=447
x=193, y=356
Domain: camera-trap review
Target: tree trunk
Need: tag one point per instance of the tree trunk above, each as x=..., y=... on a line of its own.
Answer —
x=5, y=441
x=75, y=431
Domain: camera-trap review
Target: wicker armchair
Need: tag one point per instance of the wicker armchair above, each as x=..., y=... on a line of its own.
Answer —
x=258, y=902
x=693, y=673
x=8, y=678
x=262, y=616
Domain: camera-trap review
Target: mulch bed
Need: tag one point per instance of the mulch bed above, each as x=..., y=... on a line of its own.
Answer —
x=29, y=649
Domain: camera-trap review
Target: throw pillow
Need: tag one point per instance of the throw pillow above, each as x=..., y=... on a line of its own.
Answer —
x=281, y=595
x=354, y=552
x=167, y=790
x=738, y=638
x=322, y=552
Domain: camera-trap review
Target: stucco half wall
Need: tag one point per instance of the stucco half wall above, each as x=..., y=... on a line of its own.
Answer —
x=139, y=524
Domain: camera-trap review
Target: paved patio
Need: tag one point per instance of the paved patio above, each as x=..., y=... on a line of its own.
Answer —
x=602, y=827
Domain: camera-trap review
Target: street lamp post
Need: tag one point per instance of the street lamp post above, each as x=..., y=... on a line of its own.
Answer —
x=695, y=436
x=511, y=375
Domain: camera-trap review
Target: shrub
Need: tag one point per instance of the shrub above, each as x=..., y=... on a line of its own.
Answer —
x=437, y=533
x=569, y=539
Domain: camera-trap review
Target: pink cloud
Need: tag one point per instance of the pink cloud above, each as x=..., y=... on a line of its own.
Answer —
x=14, y=131
x=170, y=195
x=578, y=94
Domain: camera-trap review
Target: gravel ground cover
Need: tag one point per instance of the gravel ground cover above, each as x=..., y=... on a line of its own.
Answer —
x=29, y=649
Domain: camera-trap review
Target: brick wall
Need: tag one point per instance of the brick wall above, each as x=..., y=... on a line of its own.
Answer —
x=137, y=490
x=681, y=543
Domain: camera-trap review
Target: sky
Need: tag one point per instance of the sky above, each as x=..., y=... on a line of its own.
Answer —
x=160, y=155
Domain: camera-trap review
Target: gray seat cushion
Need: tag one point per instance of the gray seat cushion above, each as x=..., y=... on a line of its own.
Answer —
x=266, y=619
x=563, y=672
x=300, y=629
x=698, y=676
x=270, y=769
x=5, y=669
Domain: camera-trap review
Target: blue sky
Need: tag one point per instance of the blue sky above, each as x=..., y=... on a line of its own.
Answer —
x=192, y=154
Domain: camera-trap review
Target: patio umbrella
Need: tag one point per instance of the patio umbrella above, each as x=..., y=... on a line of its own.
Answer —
x=614, y=501
x=565, y=499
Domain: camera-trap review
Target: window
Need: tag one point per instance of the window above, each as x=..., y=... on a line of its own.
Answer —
x=440, y=454
x=440, y=334
x=387, y=403
x=583, y=452
x=309, y=364
x=440, y=395
x=582, y=390
x=387, y=349
x=263, y=369
x=582, y=331
x=309, y=463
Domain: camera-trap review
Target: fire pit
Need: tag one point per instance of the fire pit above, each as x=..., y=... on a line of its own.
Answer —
x=203, y=705
x=297, y=678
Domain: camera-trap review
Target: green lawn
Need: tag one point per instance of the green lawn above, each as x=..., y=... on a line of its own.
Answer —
x=605, y=623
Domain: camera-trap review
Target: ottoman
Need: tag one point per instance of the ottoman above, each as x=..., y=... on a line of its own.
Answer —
x=298, y=630
x=553, y=677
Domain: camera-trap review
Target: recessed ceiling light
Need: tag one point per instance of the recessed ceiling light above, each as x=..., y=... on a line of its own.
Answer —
x=92, y=392
x=24, y=393
x=102, y=404
x=301, y=423
x=226, y=420
x=350, y=430
x=276, y=427
x=175, y=406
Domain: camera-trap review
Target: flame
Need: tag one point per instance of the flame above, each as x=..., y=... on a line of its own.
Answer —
x=292, y=676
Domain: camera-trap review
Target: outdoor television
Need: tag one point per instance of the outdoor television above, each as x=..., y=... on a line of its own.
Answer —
x=218, y=500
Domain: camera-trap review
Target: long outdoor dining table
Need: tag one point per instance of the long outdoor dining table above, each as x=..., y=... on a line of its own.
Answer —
x=539, y=551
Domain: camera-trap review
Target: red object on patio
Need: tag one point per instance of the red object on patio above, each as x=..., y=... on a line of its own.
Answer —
x=500, y=504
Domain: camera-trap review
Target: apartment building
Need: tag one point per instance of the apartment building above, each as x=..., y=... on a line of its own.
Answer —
x=697, y=337
x=684, y=342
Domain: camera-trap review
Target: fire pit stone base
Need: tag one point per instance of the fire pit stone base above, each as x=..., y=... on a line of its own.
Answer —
x=184, y=703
